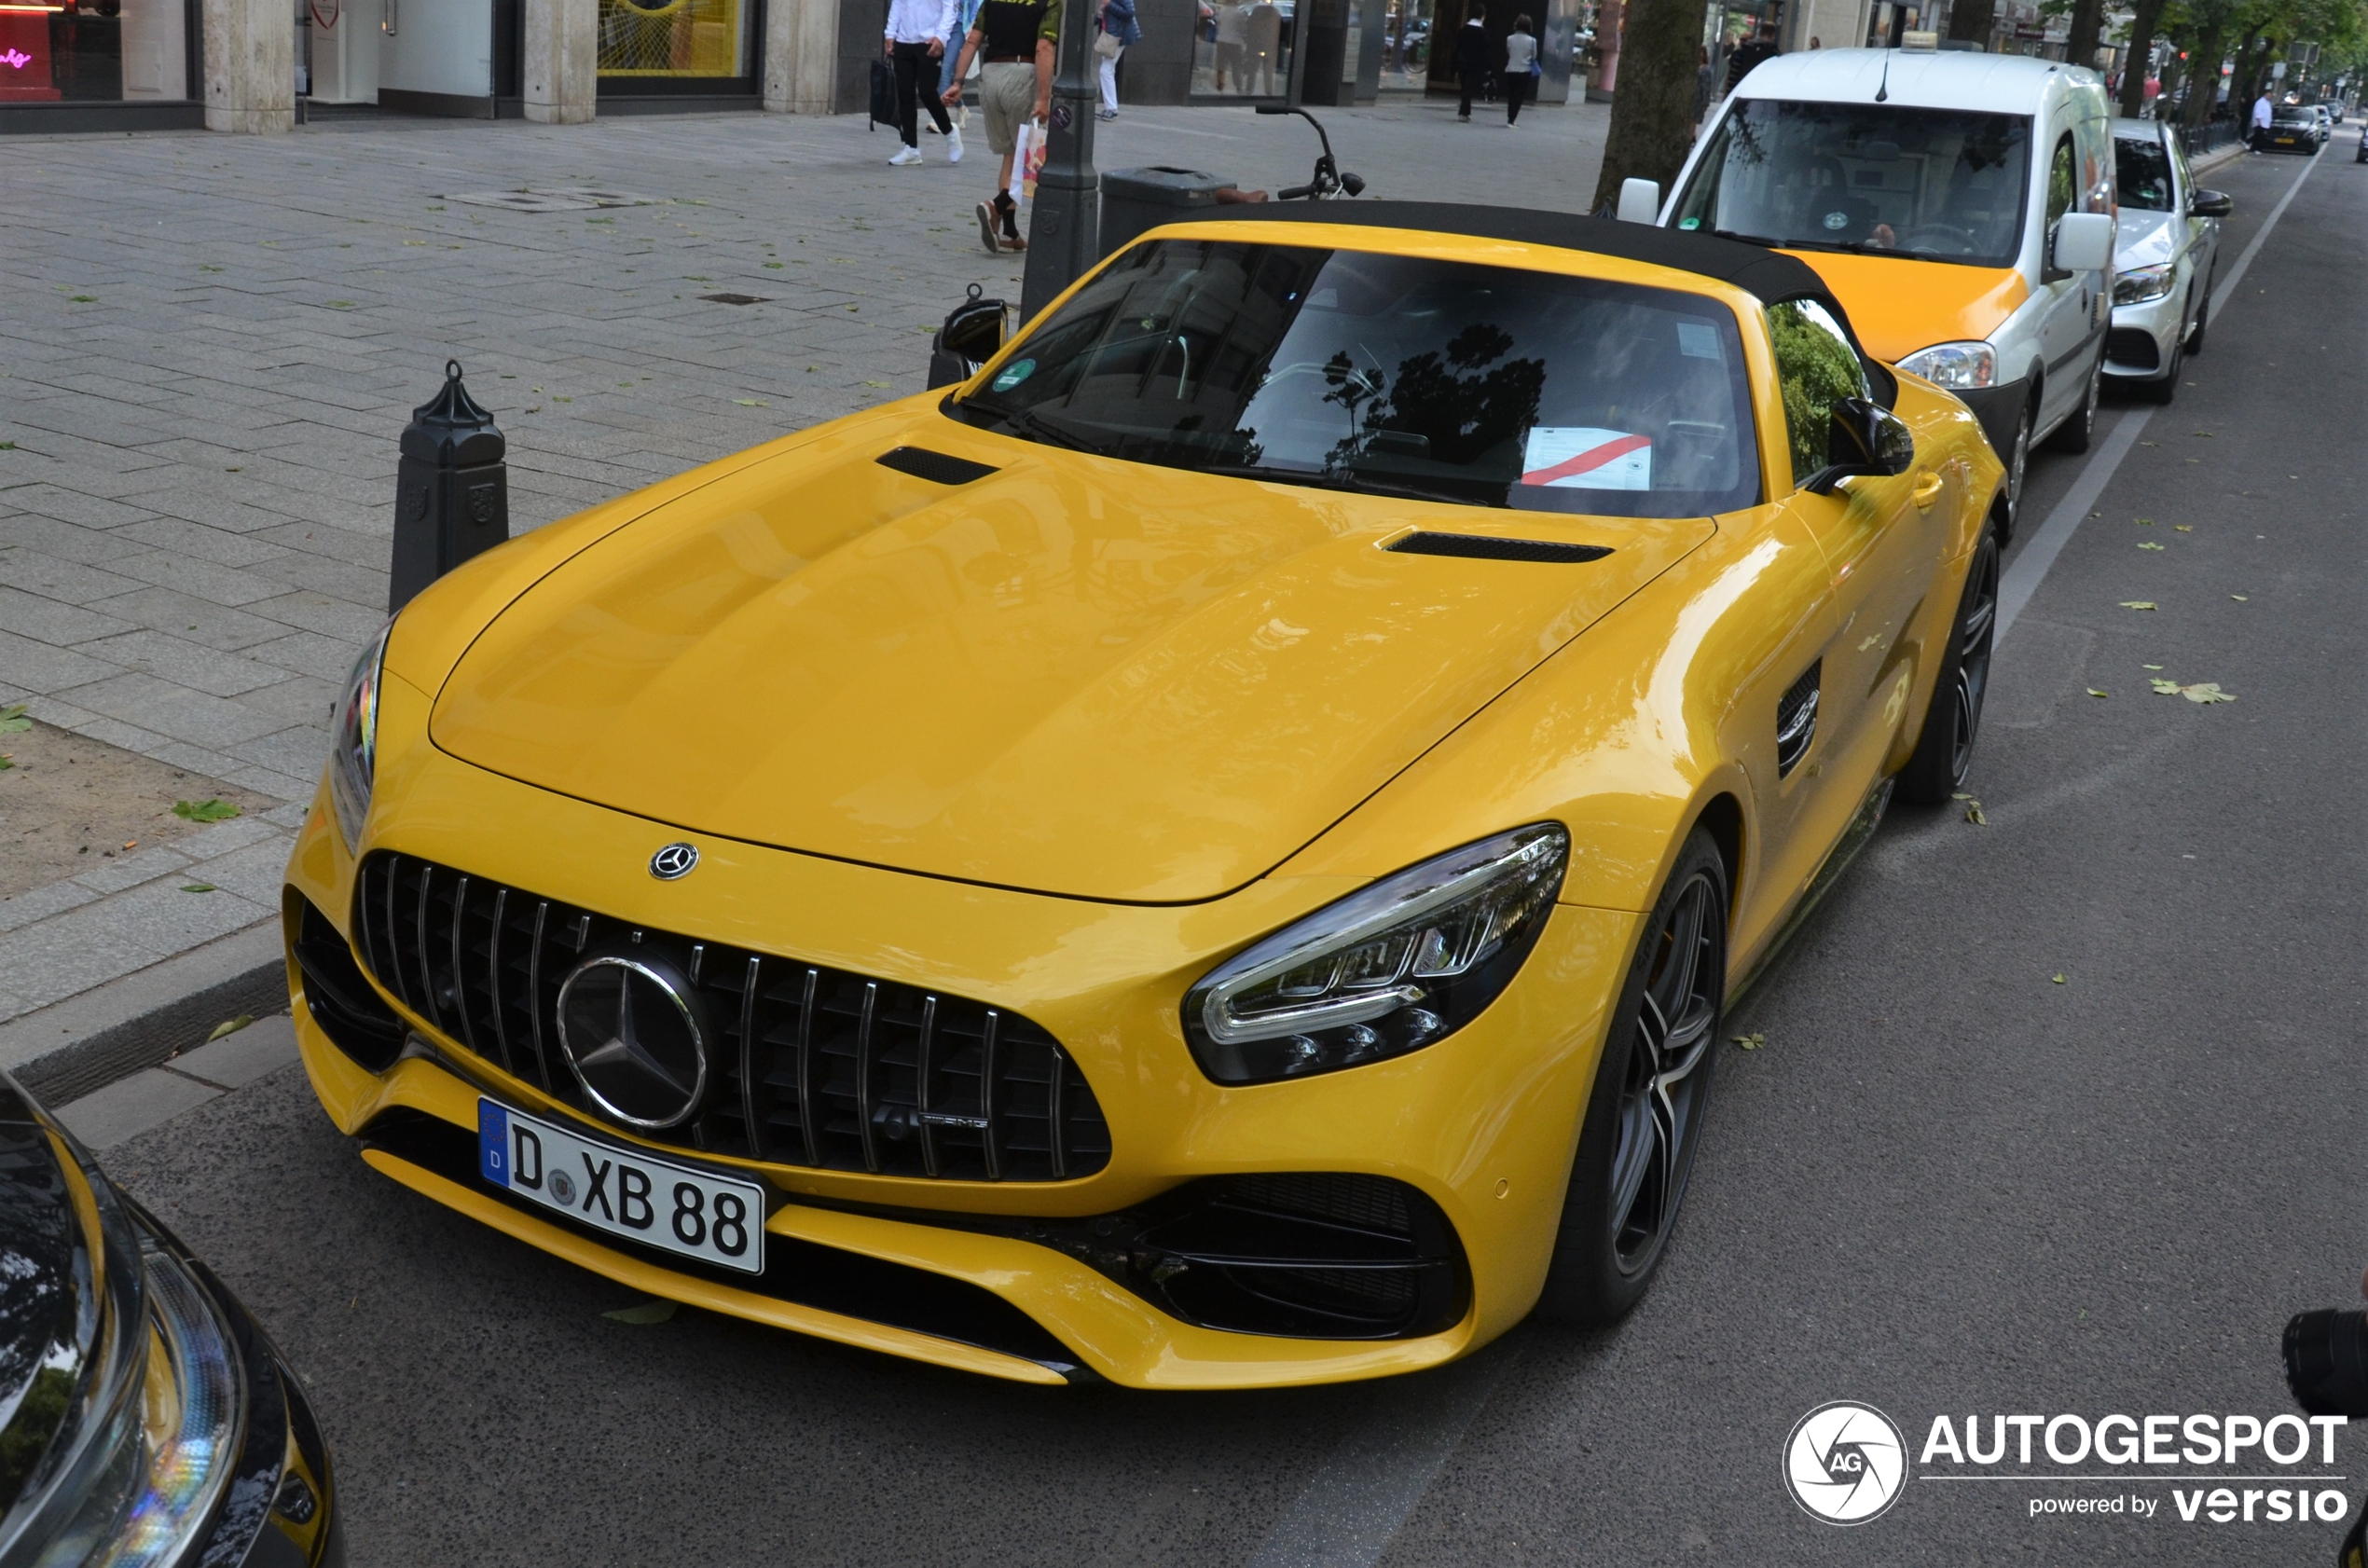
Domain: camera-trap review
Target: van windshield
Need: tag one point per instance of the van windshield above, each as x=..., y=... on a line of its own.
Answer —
x=1942, y=184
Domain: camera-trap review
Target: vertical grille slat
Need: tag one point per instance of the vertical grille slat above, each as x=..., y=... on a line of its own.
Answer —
x=815, y=1067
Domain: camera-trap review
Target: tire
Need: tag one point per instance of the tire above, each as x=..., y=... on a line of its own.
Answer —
x=2165, y=387
x=2017, y=463
x=1944, y=751
x=2074, y=434
x=1636, y=1143
x=2203, y=308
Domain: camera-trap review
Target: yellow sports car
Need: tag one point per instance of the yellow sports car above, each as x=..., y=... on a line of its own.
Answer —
x=1211, y=855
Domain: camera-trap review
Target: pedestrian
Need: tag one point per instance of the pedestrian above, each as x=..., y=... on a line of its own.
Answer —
x=1706, y=89
x=1471, y=60
x=1118, y=32
x=1234, y=43
x=954, y=24
x=1520, y=64
x=914, y=43
x=1815, y=42
x=1014, y=40
x=2261, y=120
x=1762, y=47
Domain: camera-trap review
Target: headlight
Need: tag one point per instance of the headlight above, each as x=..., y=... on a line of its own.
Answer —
x=2142, y=284
x=190, y=1419
x=1401, y=965
x=353, y=751
x=1957, y=366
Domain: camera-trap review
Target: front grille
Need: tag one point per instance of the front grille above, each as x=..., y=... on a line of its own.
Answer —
x=807, y=1065
x=2127, y=346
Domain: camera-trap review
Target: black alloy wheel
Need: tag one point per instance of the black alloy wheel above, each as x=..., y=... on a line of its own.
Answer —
x=2164, y=388
x=1944, y=751
x=1645, y=1117
x=2203, y=308
x=2017, y=460
x=2074, y=434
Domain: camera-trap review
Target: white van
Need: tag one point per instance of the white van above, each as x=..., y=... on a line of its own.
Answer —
x=1960, y=205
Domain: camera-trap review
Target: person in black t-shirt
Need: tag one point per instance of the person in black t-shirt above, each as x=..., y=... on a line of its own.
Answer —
x=1015, y=41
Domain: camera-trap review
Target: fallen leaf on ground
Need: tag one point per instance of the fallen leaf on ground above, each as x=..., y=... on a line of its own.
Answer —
x=2182, y=527
x=2148, y=545
x=199, y=887
x=204, y=810
x=2143, y=522
x=13, y=722
x=2058, y=978
x=2163, y=687
x=1751, y=1042
x=2206, y=691
x=647, y=1312
x=2240, y=599
x=876, y=384
x=2150, y=667
x=229, y=1027
x=2136, y=604
x=751, y=402
x=1974, y=813
x=6, y=762
x=2095, y=693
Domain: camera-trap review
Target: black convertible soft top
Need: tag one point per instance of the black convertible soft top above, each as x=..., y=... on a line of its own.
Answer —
x=1769, y=276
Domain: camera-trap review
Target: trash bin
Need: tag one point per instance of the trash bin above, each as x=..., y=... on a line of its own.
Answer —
x=1135, y=199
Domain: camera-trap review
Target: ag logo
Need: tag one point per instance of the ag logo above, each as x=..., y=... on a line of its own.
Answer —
x=1846, y=1463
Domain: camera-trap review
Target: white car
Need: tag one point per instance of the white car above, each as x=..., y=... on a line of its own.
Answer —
x=2168, y=248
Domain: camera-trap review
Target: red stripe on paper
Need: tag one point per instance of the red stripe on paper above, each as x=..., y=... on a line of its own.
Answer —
x=1591, y=458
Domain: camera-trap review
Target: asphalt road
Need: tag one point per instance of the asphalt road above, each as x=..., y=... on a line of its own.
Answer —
x=1947, y=1183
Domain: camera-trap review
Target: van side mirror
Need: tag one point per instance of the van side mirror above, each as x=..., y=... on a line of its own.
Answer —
x=2084, y=242
x=972, y=335
x=1863, y=438
x=1640, y=202
x=2211, y=204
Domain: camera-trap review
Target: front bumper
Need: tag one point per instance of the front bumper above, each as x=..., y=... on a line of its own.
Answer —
x=1024, y=1279
x=2138, y=347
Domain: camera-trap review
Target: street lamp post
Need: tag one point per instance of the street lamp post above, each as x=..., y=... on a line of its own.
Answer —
x=1063, y=234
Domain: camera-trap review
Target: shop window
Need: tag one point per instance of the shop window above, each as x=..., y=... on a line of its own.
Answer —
x=655, y=40
x=1242, y=49
x=98, y=52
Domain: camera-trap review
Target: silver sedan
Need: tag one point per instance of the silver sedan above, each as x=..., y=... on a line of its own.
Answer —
x=2167, y=251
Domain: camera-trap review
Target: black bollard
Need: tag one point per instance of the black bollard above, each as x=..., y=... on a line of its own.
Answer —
x=452, y=491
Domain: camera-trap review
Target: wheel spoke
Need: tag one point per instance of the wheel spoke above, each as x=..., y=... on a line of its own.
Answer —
x=1635, y=1161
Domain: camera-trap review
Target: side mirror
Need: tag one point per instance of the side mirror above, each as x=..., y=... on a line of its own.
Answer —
x=1640, y=202
x=972, y=335
x=2211, y=204
x=2084, y=242
x=1864, y=438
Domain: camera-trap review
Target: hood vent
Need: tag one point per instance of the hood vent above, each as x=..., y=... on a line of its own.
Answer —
x=938, y=468
x=1480, y=547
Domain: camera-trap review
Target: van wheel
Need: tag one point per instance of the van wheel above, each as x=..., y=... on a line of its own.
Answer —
x=2074, y=434
x=2017, y=460
x=2203, y=308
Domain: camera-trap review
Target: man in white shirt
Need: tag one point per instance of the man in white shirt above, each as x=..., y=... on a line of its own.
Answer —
x=914, y=43
x=2261, y=120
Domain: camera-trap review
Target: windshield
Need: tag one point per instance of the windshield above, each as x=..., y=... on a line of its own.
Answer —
x=1931, y=182
x=1487, y=386
x=2296, y=116
x=2142, y=172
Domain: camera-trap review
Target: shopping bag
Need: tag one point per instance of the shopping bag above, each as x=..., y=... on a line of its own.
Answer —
x=1028, y=155
x=1106, y=45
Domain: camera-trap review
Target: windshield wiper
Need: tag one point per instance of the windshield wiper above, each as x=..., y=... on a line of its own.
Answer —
x=1336, y=479
x=1042, y=429
x=1749, y=238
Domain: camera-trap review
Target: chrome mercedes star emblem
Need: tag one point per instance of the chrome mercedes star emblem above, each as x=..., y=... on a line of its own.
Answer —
x=674, y=861
x=630, y=1033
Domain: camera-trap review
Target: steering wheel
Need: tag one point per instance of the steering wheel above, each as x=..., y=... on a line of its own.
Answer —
x=1923, y=236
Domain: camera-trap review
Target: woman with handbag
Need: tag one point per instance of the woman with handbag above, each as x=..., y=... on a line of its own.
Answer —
x=1520, y=68
x=1118, y=30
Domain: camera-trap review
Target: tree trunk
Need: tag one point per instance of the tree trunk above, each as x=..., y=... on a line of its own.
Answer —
x=2203, y=76
x=2139, y=61
x=2139, y=58
x=1653, y=112
x=1969, y=22
x=2087, y=22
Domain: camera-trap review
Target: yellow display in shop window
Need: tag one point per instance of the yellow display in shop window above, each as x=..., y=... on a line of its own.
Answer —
x=670, y=38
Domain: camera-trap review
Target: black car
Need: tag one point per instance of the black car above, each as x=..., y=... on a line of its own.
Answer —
x=145, y=1421
x=2296, y=128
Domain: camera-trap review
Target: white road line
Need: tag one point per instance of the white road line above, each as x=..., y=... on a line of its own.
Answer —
x=2022, y=579
x=1366, y=1489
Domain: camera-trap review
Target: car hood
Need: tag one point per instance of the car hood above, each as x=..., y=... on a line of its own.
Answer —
x=1073, y=675
x=2143, y=238
x=1898, y=304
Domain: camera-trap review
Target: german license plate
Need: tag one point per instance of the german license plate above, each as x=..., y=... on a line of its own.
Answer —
x=622, y=1191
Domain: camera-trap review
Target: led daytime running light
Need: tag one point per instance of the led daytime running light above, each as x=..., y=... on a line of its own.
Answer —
x=353, y=751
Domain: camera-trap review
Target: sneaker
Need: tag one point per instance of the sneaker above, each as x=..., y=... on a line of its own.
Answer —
x=905, y=157
x=954, y=146
x=1106, y=113
x=987, y=229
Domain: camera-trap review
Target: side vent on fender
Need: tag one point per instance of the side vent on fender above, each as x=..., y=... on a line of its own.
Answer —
x=938, y=468
x=1481, y=547
x=1797, y=719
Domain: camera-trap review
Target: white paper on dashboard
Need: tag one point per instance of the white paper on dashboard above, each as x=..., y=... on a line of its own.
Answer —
x=1581, y=457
